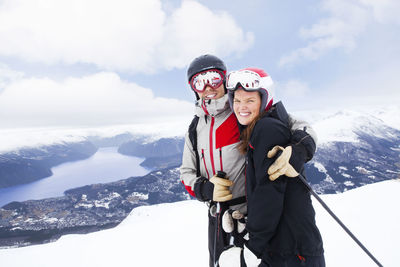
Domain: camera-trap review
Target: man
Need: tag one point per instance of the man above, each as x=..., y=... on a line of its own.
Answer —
x=216, y=138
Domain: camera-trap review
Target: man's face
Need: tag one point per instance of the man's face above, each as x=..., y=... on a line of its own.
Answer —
x=208, y=84
x=210, y=93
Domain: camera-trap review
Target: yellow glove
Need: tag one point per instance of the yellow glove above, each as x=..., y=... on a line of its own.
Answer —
x=281, y=166
x=221, y=189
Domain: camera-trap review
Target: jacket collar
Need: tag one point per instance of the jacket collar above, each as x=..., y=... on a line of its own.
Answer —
x=212, y=107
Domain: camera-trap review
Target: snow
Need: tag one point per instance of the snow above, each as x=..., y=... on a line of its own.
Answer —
x=320, y=167
x=14, y=139
x=348, y=183
x=362, y=170
x=175, y=234
x=331, y=125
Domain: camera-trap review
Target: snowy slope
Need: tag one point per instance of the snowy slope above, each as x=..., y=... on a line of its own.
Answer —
x=175, y=235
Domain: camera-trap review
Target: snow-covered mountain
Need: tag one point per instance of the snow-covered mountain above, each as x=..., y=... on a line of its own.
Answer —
x=175, y=234
x=21, y=138
x=331, y=125
x=27, y=165
x=355, y=148
x=27, y=155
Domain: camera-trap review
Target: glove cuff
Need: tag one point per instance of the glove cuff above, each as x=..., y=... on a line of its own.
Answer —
x=203, y=189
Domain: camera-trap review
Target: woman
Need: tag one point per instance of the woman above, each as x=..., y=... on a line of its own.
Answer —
x=280, y=218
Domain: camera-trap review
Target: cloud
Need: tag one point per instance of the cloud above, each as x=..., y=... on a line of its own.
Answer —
x=367, y=88
x=293, y=88
x=295, y=94
x=194, y=29
x=96, y=100
x=341, y=30
x=384, y=11
x=8, y=75
x=120, y=35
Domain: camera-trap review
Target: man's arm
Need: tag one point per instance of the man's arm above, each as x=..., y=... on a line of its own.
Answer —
x=216, y=189
x=188, y=172
x=300, y=150
x=304, y=134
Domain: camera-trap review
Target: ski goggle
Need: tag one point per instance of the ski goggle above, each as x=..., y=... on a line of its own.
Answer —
x=213, y=78
x=248, y=80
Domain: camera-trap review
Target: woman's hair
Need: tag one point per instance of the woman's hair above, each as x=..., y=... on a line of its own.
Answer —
x=246, y=134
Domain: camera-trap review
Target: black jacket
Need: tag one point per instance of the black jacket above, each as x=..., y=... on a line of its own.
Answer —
x=281, y=218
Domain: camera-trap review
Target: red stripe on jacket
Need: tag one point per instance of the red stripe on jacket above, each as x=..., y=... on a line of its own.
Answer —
x=189, y=189
x=227, y=133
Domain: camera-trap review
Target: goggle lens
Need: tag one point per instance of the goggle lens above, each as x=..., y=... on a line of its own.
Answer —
x=213, y=78
x=249, y=80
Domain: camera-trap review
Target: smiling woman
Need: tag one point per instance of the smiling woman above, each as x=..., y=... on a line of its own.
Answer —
x=280, y=215
x=246, y=106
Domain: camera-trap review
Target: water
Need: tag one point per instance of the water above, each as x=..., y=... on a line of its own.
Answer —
x=107, y=165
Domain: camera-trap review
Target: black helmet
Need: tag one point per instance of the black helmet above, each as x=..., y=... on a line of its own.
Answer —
x=205, y=62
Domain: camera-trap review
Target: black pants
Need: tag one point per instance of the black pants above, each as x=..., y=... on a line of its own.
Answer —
x=276, y=260
x=222, y=239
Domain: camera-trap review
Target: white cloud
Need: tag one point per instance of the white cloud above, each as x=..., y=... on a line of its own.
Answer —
x=119, y=35
x=295, y=94
x=8, y=75
x=96, y=100
x=380, y=87
x=293, y=88
x=384, y=11
x=341, y=30
x=194, y=29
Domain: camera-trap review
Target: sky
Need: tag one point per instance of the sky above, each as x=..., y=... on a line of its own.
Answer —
x=72, y=63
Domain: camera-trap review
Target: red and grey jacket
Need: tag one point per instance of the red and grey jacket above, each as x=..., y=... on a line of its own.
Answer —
x=217, y=139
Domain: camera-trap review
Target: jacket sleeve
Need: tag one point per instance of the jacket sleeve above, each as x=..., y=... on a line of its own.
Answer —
x=296, y=124
x=198, y=187
x=265, y=198
x=303, y=142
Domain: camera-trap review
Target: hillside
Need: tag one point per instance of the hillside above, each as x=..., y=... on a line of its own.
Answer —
x=175, y=235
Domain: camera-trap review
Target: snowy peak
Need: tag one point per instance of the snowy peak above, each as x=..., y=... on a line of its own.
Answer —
x=346, y=125
x=355, y=148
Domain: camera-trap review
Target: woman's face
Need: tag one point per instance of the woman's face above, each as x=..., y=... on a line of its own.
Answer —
x=246, y=106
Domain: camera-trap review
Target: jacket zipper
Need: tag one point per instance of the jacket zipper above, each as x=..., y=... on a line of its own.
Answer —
x=204, y=162
x=211, y=144
x=220, y=158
